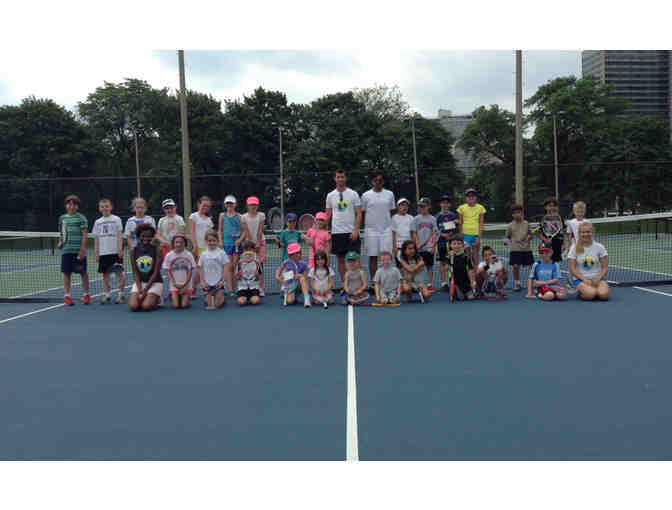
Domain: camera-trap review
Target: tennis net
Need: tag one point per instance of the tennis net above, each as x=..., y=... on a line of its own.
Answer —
x=639, y=248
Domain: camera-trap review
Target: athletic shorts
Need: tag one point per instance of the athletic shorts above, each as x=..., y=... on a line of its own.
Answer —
x=470, y=239
x=443, y=253
x=342, y=244
x=232, y=249
x=186, y=291
x=427, y=258
x=375, y=242
x=71, y=263
x=247, y=293
x=521, y=258
x=107, y=261
x=553, y=288
x=156, y=288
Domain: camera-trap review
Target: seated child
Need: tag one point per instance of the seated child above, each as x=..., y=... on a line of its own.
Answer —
x=247, y=275
x=491, y=276
x=462, y=270
x=387, y=280
x=355, y=281
x=413, y=272
x=292, y=274
x=544, y=278
x=321, y=278
x=179, y=260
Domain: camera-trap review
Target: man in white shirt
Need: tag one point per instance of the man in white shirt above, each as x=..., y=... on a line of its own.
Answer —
x=377, y=206
x=344, y=210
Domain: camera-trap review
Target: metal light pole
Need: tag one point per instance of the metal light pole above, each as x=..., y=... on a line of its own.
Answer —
x=186, y=165
x=137, y=164
x=555, y=155
x=519, y=131
x=415, y=161
x=282, y=179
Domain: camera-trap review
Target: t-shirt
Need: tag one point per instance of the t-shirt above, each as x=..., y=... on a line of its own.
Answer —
x=212, y=262
x=354, y=279
x=573, y=229
x=545, y=271
x=342, y=205
x=462, y=264
x=401, y=226
x=70, y=227
x=185, y=261
x=107, y=229
x=253, y=225
x=377, y=205
x=287, y=237
x=145, y=259
x=491, y=269
x=321, y=275
x=132, y=223
x=231, y=229
x=447, y=223
x=518, y=233
x=388, y=279
x=588, y=262
x=203, y=224
x=470, y=218
x=320, y=239
x=171, y=225
x=424, y=226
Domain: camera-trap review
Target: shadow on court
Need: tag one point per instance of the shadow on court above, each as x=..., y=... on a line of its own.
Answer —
x=516, y=380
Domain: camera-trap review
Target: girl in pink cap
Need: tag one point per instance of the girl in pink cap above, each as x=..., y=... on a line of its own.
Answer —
x=318, y=238
x=252, y=223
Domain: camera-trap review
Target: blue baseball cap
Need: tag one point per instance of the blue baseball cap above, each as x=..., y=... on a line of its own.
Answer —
x=291, y=217
x=446, y=197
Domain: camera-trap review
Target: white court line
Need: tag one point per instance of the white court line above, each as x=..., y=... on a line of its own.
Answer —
x=352, y=441
x=654, y=291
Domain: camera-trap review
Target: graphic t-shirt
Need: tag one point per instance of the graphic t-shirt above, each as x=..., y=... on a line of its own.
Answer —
x=213, y=262
x=470, y=218
x=342, y=205
x=518, y=233
x=202, y=224
x=183, y=260
x=588, y=262
x=171, y=225
x=287, y=237
x=447, y=223
x=70, y=227
x=545, y=271
x=107, y=229
x=145, y=259
x=424, y=226
x=231, y=229
x=377, y=206
x=491, y=269
x=401, y=226
x=132, y=223
x=388, y=279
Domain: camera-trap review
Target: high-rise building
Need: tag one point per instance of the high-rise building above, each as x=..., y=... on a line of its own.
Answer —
x=455, y=125
x=643, y=78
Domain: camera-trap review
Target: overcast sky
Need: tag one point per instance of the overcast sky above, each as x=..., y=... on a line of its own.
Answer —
x=456, y=80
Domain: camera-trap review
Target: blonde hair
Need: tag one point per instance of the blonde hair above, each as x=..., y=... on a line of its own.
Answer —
x=579, y=243
x=211, y=233
x=578, y=205
x=137, y=200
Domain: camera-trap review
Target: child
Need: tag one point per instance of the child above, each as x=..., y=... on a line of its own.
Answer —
x=401, y=228
x=248, y=283
x=425, y=233
x=230, y=236
x=109, y=248
x=472, y=217
x=579, y=210
x=354, y=282
x=318, y=238
x=387, y=280
x=544, y=278
x=139, y=205
x=213, y=265
x=552, y=218
x=448, y=223
x=413, y=272
x=145, y=261
x=73, y=234
x=253, y=230
x=169, y=225
x=299, y=280
x=588, y=263
x=180, y=294
x=519, y=235
x=199, y=223
x=289, y=235
x=491, y=275
x=321, y=279
x=462, y=270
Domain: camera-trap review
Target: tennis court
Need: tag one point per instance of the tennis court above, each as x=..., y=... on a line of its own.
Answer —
x=518, y=379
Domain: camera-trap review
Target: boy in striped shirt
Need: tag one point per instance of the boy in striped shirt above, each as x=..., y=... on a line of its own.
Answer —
x=73, y=233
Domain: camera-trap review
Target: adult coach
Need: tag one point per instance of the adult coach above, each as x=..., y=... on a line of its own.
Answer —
x=344, y=210
x=377, y=206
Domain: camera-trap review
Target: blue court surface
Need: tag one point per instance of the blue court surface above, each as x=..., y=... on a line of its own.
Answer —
x=514, y=380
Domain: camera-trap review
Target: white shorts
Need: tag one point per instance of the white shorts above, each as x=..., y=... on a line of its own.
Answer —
x=156, y=288
x=375, y=242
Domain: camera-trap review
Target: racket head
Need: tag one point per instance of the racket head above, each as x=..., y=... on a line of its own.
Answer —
x=212, y=272
x=306, y=222
x=289, y=281
x=274, y=216
x=249, y=267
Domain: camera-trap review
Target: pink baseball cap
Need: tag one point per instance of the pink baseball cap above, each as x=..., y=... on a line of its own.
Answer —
x=321, y=216
x=252, y=201
x=293, y=248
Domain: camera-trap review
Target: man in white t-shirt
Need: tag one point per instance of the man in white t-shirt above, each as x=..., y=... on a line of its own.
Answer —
x=377, y=206
x=344, y=210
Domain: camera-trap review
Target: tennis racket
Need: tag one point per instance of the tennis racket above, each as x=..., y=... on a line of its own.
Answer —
x=289, y=271
x=306, y=222
x=249, y=269
x=452, y=277
x=212, y=273
x=180, y=272
x=275, y=219
x=117, y=274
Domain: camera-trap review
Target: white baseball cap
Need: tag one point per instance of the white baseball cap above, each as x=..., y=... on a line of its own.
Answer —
x=230, y=199
x=402, y=200
x=167, y=202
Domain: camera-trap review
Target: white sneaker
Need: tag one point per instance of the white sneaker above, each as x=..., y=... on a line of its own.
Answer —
x=120, y=299
x=105, y=300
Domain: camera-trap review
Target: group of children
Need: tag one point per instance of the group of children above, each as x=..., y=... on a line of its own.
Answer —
x=232, y=256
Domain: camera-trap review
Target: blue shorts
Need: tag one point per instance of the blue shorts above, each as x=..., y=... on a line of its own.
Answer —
x=575, y=282
x=470, y=239
x=232, y=249
x=70, y=263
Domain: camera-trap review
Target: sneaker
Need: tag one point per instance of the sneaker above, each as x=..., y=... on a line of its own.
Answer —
x=326, y=305
x=430, y=288
x=194, y=296
x=344, y=300
x=307, y=304
x=262, y=293
x=68, y=301
x=516, y=287
x=106, y=300
x=445, y=287
x=86, y=299
x=120, y=299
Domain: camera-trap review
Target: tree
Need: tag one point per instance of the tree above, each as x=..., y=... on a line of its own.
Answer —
x=386, y=103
